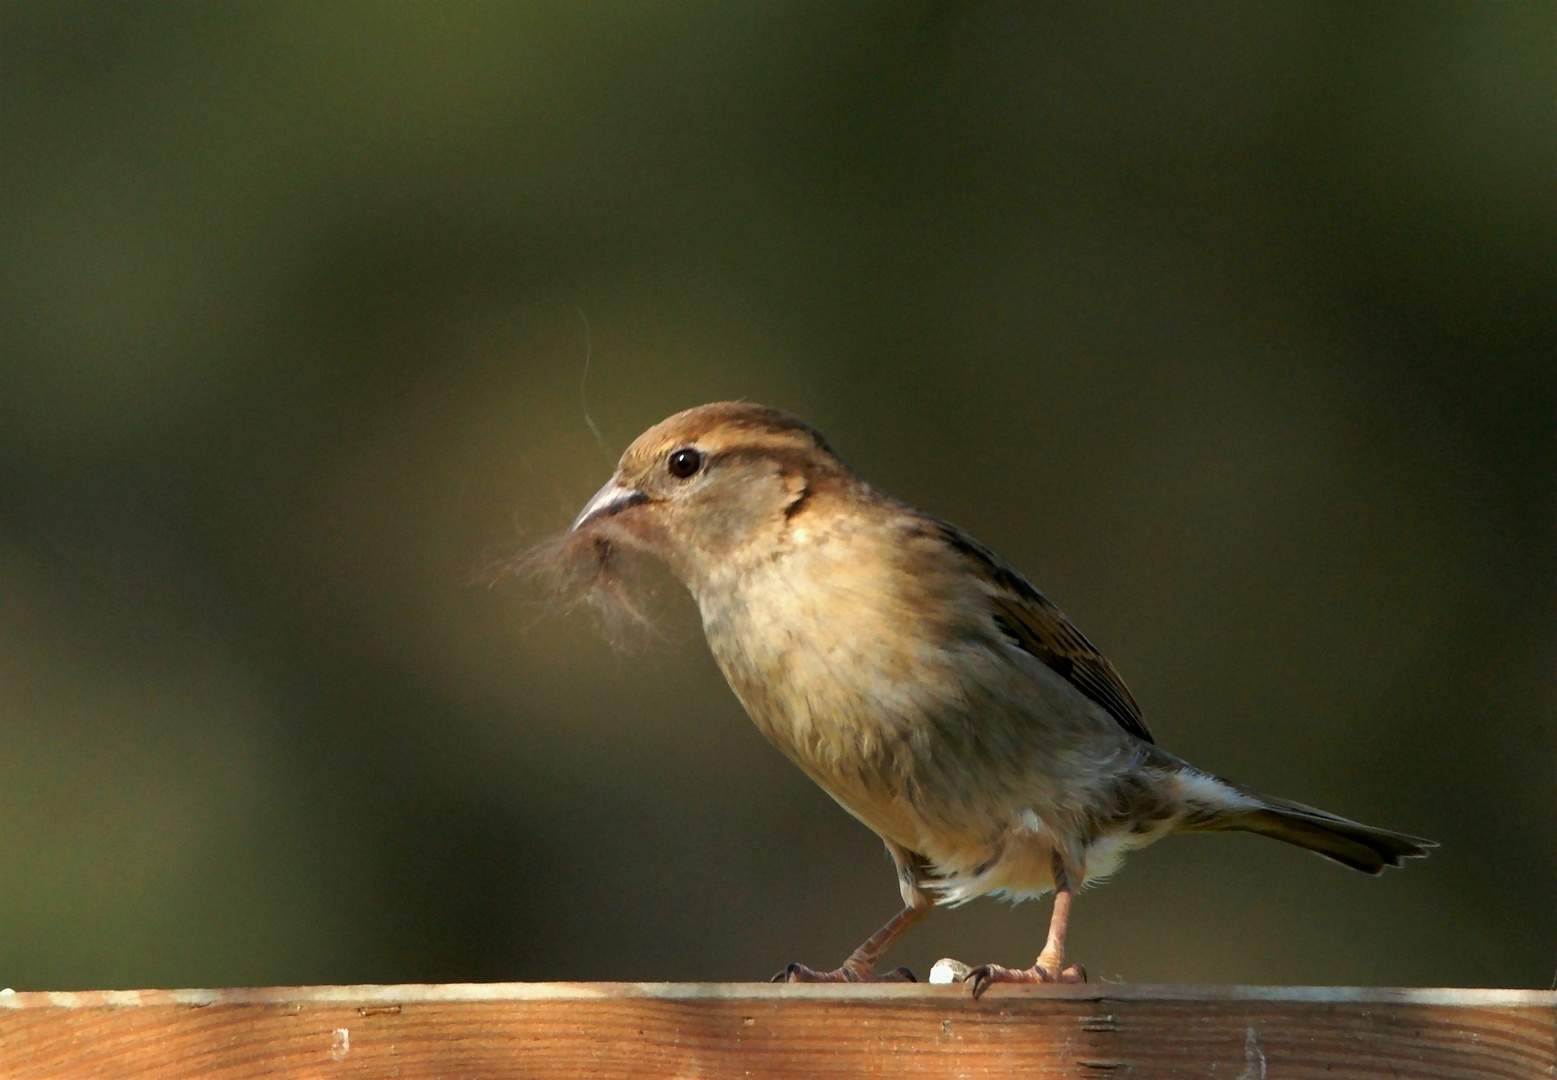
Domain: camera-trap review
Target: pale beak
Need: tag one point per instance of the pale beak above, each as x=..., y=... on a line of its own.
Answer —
x=611, y=499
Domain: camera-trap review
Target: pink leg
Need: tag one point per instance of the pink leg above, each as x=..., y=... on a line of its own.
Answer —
x=1050, y=965
x=861, y=964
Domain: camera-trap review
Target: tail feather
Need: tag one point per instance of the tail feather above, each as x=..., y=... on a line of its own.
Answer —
x=1350, y=843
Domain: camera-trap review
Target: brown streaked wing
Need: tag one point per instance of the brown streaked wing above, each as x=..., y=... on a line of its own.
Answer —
x=1038, y=627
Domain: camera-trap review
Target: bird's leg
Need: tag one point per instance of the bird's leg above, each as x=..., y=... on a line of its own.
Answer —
x=861, y=964
x=1050, y=965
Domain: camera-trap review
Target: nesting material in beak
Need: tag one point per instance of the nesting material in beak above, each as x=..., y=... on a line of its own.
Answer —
x=583, y=569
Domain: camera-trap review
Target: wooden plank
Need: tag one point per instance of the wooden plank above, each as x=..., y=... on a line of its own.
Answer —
x=572, y=1030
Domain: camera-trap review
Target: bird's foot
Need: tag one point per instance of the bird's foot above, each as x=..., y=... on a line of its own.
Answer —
x=849, y=973
x=981, y=978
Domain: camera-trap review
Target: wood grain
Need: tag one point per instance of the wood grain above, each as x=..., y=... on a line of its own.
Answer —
x=572, y=1030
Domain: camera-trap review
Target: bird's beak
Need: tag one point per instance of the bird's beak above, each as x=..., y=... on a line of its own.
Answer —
x=611, y=499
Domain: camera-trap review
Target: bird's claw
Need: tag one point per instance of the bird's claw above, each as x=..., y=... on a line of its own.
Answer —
x=849, y=973
x=983, y=977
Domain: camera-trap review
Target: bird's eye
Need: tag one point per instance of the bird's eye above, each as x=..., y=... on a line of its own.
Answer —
x=683, y=463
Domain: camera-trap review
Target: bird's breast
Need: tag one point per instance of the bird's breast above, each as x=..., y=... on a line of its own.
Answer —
x=840, y=664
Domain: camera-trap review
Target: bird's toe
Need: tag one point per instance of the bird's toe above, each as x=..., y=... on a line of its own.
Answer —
x=982, y=978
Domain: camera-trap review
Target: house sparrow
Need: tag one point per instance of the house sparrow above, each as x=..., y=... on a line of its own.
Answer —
x=920, y=680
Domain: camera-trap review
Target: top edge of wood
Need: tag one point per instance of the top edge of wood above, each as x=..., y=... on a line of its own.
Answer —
x=369, y=996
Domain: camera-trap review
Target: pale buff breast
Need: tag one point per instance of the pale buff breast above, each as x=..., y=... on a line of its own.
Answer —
x=800, y=640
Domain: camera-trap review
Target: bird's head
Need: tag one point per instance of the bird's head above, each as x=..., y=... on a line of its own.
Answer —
x=710, y=487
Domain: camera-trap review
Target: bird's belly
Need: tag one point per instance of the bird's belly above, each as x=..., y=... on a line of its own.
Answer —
x=986, y=823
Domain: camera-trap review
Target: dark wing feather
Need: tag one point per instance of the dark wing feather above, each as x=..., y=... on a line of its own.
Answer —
x=1038, y=627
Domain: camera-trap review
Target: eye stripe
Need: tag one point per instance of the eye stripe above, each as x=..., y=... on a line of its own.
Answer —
x=791, y=458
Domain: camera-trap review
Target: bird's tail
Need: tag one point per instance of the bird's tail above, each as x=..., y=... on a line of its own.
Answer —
x=1350, y=843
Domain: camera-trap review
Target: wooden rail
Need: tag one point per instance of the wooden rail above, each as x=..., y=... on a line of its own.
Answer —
x=714, y=1030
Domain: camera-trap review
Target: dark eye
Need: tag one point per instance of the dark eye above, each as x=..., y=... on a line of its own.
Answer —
x=683, y=463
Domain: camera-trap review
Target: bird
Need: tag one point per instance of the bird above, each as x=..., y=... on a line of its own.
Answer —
x=920, y=681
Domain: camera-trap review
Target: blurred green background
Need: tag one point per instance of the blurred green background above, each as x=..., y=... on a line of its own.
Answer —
x=1232, y=325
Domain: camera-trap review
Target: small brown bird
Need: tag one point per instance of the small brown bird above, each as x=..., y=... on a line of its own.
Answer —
x=920, y=680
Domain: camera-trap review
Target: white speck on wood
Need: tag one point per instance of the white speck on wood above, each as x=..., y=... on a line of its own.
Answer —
x=1253, y=1057
x=340, y=1044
